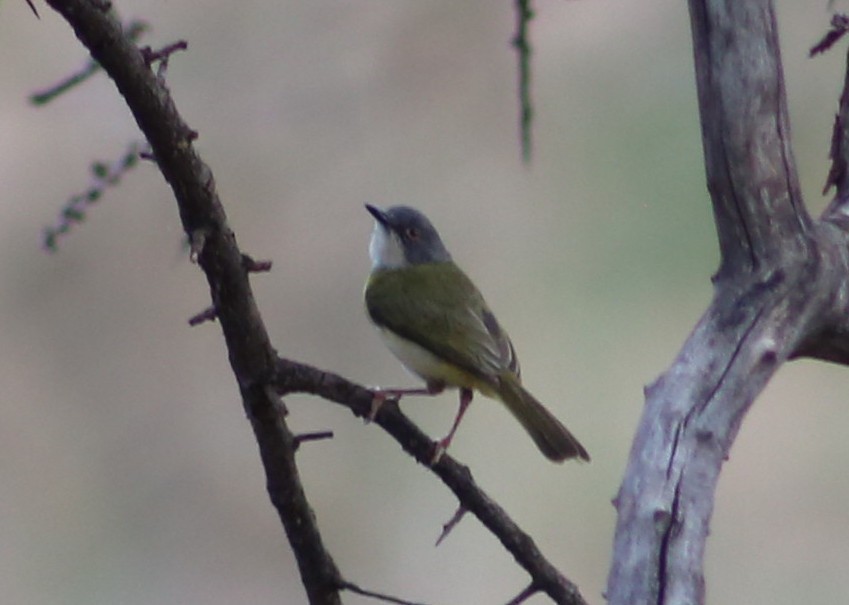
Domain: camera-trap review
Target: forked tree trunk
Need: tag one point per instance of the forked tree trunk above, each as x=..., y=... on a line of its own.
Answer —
x=781, y=291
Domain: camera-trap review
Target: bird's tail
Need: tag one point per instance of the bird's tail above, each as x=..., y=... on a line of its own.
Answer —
x=552, y=438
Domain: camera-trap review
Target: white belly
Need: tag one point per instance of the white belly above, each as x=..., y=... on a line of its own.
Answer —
x=419, y=360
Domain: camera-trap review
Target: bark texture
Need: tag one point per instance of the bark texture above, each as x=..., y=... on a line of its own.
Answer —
x=780, y=292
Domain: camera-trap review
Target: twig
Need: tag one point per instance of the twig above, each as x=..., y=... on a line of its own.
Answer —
x=295, y=377
x=253, y=360
x=350, y=586
x=524, y=14
x=163, y=54
x=838, y=176
x=32, y=7
x=208, y=314
x=523, y=596
x=135, y=29
x=249, y=349
x=316, y=436
x=104, y=176
x=255, y=266
x=448, y=527
x=839, y=27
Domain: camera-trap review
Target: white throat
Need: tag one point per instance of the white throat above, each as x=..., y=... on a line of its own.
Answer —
x=385, y=249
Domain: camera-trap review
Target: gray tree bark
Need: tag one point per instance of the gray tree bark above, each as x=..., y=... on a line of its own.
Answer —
x=781, y=291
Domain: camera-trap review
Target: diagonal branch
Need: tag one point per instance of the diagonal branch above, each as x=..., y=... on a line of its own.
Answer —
x=204, y=220
x=261, y=375
x=294, y=377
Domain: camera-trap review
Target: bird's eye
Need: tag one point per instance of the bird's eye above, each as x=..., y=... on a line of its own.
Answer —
x=412, y=233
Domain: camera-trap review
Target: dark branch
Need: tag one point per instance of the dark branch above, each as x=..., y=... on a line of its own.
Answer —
x=524, y=14
x=316, y=436
x=163, y=54
x=207, y=314
x=258, y=370
x=294, y=377
x=350, y=586
x=32, y=8
x=250, y=351
x=838, y=175
x=839, y=27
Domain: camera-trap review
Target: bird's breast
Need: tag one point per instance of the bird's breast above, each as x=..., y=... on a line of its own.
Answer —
x=425, y=364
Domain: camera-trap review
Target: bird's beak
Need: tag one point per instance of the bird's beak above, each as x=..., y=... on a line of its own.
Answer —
x=379, y=215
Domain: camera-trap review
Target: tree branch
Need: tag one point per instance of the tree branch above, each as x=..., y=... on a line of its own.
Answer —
x=258, y=370
x=251, y=355
x=745, y=133
x=781, y=292
x=294, y=377
x=521, y=41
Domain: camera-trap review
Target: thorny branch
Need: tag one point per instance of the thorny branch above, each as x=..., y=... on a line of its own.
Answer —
x=260, y=373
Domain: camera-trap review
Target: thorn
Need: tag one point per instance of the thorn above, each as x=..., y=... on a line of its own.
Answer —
x=32, y=7
x=315, y=436
x=523, y=596
x=208, y=314
x=451, y=524
x=255, y=266
x=162, y=55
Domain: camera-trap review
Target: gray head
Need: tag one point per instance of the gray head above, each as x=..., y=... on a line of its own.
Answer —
x=403, y=236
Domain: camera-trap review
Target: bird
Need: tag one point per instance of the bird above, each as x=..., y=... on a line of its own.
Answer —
x=434, y=319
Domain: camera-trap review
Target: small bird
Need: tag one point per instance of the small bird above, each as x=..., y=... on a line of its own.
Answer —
x=436, y=322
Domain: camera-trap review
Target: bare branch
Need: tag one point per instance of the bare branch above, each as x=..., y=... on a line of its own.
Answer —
x=294, y=377
x=838, y=175
x=750, y=169
x=782, y=292
x=135, y=29
x=250, y=352
x=839, y=27
x=346, y=585
x=255, y=363
x=521, y=41
x=315, y=436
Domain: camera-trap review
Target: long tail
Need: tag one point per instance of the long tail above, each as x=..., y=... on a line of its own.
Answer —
x=552, y=438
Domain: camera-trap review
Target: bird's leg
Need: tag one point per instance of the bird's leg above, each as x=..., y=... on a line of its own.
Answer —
x=442, y=444
x=382, y=395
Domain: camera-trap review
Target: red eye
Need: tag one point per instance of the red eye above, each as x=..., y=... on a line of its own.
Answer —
x=411, y=233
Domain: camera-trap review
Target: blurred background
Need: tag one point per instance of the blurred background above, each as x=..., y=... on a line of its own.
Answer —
x=128, y=473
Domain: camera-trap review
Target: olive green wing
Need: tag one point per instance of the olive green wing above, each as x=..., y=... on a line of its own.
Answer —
x=437, y=306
